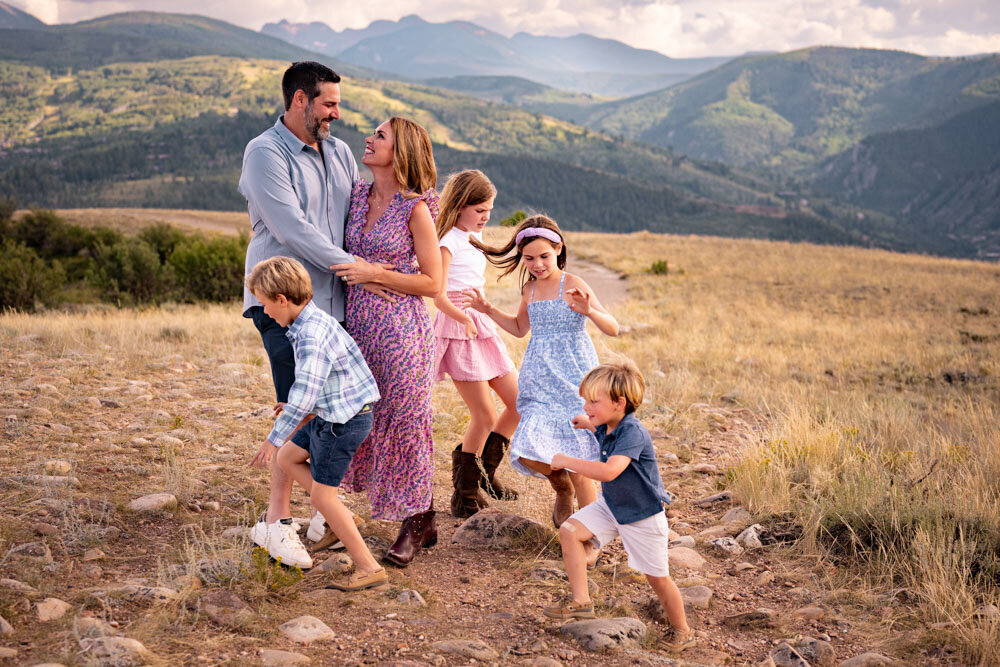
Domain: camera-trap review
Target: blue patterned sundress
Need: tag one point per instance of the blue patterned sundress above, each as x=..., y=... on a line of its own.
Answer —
x=559, y=354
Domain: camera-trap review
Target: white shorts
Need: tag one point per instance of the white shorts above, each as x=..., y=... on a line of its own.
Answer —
x=645, y=541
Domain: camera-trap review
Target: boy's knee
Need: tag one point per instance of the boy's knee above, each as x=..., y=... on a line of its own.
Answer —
x=568, y=532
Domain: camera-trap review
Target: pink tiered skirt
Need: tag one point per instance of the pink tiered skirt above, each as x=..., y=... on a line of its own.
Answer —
x=469, y=360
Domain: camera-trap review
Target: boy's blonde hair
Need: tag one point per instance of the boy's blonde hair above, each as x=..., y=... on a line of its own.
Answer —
x=615, y=379
x=281, y=275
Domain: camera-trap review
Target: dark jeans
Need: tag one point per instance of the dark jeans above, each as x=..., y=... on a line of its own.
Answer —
x=279, y=351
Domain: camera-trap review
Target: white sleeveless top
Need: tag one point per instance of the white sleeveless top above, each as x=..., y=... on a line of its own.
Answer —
x=467, y=263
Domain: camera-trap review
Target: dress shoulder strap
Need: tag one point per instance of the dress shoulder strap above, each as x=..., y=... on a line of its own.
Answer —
x=561, y=280
x=531, y=299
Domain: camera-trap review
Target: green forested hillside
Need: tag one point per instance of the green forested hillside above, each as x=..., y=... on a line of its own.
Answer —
x=943, y=178
x=790, y=111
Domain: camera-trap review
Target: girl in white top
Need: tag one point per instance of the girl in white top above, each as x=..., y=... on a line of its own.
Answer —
x=469, y=348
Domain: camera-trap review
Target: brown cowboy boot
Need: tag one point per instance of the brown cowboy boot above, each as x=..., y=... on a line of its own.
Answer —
x=465, y=474
x=493, y=454
x=559, y=479
x=416, y=532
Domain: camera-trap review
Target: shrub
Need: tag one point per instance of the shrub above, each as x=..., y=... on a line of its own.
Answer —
x=514, y=220
x=162, y=238
x=25, y=279
x=209, y=268
x=659, y=267
x=130, y=272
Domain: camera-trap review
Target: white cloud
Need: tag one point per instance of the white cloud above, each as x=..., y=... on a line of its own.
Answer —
x=679, y=28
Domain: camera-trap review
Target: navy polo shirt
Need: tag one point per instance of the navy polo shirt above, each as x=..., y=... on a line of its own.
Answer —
x=637, y=493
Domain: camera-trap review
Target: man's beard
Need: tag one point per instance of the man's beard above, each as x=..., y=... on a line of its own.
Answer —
x=314, y=127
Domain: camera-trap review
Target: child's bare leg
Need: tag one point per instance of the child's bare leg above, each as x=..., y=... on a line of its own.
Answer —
x=341, y=521
x=585, y=491
x=291, y=459
x=670, y=597
x=537, y=466
x=506, y=388
x=280, y=496
x=572, y=536
x=482, y=414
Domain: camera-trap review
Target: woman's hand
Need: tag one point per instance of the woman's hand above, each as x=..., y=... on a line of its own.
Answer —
x=384, y=292
x=579, y=300
x=360, y=271
x=476, y=301
x=471, y=332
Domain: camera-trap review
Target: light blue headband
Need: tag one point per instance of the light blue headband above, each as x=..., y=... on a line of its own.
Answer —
x=537, y=231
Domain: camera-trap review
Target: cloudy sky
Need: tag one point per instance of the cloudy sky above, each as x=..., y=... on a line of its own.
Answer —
x=678, y=28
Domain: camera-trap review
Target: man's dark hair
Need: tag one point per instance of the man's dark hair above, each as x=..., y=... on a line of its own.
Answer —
x=306, y=76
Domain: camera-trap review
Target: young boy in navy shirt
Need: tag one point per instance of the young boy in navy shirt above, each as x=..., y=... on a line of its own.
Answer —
x=631, y=503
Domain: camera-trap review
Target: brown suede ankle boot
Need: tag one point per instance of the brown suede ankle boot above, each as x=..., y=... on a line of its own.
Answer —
x=563, y=487
x=467, y=499
x=418, y=531
x=493, y=455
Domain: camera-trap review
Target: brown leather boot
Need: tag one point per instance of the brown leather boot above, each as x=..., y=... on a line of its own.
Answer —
x=493, y=455
x=465, y=475
x=559, y=480
x=416, y=532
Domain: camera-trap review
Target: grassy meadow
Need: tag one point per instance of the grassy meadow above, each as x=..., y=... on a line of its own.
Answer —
x=871, y=382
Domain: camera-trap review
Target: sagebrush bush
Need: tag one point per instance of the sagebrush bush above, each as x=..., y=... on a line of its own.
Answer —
x=25, y=279
x=130, y=273
x=209, y=269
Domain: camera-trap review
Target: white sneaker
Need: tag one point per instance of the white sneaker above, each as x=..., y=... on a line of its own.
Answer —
x=282, y=542
x=317, y=527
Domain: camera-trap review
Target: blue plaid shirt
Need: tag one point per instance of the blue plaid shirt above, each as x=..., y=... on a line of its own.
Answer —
x=332, y=379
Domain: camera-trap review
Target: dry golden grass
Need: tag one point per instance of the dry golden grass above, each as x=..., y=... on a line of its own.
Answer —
x=875, y=375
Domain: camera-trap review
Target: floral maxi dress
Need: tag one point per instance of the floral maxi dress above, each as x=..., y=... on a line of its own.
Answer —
x=395, y=464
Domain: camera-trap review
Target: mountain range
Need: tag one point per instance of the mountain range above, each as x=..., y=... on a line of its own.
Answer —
x=832, y=145
x=417, y=49
x=11, y=17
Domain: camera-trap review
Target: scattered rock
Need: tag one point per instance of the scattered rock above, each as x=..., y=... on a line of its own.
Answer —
x=338, y=563
x=810, y=613
x=869, y=659
x=7, y=653
x=601, y=634
x=92, y=554
x=725, y=547
x=169, y=441
x=547, y=573
x=33, y=550
x=685, y=557
x=211, y=506
x=154, y=502
x=758, y=618
x=543, y=661
x=705, y=468
x=725, y=496
x=786, y=656
x=766, y=577
x=306, y=629
x=57, y=467
x=737, y=515
x=5, y=627
x=683, y=541
x=91, y=571
x=226, y=608
x=17, y=586
x=750, y=538
x=137, y=593
x=740, y=568
x=51, y=609
x=693, y=580
x=46, y=480
x=492, y=528
x=721, y=530
x=987, y=612
x=61, y=429
x=696, y=597
x=816, y=652
x=45, y=529
x=116, y=651
x=469, y=648
x=411, y=597
x=234, y=532
x=88, y=626
x=274, y=658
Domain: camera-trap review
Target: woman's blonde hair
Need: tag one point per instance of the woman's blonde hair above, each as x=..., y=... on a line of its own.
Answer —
x=280, y=275
x=505, y=257
x=412, y=157
x=615, y=379
x=466, y=188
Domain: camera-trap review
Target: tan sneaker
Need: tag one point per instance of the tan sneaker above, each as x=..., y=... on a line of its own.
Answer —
x=675, y=640
x=571, y=609
x=359, y=582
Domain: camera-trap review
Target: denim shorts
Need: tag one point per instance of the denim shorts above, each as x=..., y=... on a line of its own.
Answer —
x=331, y=446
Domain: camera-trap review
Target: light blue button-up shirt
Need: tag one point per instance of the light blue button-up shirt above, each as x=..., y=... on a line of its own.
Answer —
x=298, y=207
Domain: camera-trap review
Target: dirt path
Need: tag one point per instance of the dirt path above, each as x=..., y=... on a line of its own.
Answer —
x=607, y=284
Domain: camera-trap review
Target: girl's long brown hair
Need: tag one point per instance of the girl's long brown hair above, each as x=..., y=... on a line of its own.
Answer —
x=412, y=157
x=466, y=188
x=505, y=258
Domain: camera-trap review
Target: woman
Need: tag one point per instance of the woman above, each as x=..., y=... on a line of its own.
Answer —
x=392, y=222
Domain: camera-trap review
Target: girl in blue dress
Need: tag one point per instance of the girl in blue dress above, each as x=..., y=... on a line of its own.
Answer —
x=555, y=306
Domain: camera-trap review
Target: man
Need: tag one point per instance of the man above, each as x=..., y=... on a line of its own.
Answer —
x=297, y=181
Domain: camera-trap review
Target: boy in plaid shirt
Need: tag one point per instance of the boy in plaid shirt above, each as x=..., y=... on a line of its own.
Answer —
x=329, y=409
